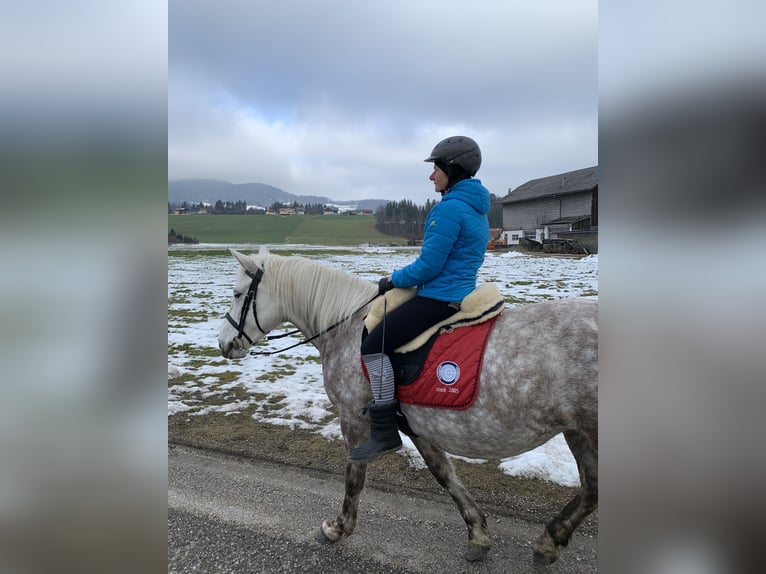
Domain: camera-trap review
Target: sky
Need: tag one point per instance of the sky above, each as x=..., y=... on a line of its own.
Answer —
x=345, y=99
x=201, y=286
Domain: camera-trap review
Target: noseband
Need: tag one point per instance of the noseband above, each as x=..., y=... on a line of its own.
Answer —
x=249, y=298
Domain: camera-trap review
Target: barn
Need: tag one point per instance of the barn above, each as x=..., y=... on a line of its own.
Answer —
x=562, y=206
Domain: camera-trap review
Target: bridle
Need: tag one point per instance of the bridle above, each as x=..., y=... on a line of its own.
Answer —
x=250, y=298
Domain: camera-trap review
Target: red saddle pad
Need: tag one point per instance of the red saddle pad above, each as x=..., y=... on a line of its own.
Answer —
x=450, y=375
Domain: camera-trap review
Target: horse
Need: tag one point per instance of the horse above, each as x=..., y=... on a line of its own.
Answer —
x=539, y=378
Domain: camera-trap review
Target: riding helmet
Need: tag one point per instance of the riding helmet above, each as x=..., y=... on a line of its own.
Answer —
x=457, y=150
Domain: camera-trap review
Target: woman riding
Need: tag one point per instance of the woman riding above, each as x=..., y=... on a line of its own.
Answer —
x=454, y=242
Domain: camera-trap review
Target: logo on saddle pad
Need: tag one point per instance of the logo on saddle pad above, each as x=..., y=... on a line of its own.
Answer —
x=448, y=373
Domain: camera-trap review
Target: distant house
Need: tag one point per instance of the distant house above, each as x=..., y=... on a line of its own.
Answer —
x=291, y=210
x=563, y=206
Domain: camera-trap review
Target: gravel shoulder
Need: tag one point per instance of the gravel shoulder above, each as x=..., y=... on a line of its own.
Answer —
x=535, y=501
x=235, y=514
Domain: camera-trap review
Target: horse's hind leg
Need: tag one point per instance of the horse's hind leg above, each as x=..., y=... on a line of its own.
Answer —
x=344, y=524
x=475, y=520
x=559, y=530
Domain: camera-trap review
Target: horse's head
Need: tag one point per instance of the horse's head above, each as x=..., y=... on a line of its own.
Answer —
x=253, y=313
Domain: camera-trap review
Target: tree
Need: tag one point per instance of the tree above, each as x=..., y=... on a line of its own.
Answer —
x=403, y=218
x=174, y=237
x=495, y=214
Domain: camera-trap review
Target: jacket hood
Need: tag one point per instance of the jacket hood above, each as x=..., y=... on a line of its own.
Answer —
x=471, y=192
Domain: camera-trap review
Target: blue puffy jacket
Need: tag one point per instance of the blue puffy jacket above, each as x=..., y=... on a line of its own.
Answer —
x=454, y=244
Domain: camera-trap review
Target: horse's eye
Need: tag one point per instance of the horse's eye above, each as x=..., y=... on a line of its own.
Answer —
x=237, y=295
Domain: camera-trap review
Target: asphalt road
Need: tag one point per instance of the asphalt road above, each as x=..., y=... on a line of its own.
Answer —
x=229, y=514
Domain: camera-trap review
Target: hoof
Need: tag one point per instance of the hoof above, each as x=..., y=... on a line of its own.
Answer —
x=326, y=534
x=320, y=537
x=545, y=551
x=541, y=560
x=476, y=553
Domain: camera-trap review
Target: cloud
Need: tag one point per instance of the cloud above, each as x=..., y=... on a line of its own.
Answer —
x=345, y=99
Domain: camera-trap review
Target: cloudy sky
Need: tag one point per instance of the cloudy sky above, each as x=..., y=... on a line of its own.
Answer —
x=345, y=99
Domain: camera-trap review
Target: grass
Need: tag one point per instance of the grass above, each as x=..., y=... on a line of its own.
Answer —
x=193, y=350
x=275, y=229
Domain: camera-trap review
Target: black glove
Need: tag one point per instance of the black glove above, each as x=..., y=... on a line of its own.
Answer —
x=384, y=285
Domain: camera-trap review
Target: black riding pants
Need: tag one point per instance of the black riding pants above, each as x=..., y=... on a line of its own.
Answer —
x=405, y=323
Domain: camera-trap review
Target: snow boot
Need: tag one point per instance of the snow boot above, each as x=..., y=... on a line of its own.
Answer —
x=384, y=435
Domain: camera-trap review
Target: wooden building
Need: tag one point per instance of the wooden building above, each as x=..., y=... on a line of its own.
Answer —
x=562, y=206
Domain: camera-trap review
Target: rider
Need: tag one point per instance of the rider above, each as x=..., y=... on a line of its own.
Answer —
x=454, y=243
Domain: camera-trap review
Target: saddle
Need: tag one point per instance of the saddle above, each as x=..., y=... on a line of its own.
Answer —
x=480, y=305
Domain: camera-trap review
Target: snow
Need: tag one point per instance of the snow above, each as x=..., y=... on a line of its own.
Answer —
x=286, y=389
x=342, y=208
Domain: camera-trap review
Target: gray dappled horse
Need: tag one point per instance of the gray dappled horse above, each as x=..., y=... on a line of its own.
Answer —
x=539, y=378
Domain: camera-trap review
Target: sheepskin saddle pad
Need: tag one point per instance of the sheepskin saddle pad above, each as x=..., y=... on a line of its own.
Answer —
x=481, y=304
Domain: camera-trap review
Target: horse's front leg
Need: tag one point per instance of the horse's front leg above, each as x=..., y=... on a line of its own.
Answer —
x=344, y=524
x=475, y=519
x=332, y=530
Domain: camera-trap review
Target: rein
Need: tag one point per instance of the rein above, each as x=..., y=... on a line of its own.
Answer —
x=308, y=340
x=250, y=298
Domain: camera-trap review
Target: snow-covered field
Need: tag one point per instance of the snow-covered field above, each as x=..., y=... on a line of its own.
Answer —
x=286, y=389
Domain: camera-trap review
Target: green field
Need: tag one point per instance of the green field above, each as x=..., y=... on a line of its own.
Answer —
x=275, y=229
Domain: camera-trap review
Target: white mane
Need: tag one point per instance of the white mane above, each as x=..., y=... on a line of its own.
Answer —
x=320, y=295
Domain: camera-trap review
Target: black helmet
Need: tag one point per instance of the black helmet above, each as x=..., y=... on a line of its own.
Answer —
x=460, y=150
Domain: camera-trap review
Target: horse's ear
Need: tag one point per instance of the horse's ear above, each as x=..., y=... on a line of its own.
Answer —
x=243, y=259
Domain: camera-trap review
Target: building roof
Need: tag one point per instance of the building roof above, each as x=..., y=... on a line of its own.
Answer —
x=576, y=181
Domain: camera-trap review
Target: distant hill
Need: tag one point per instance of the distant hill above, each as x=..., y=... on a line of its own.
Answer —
x=211, y=190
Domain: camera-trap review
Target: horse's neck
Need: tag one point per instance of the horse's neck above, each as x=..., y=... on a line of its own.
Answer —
x=317, y=297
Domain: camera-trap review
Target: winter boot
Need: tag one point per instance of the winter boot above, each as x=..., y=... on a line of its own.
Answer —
x=384, y=435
